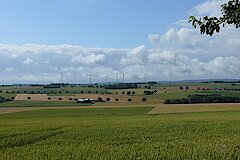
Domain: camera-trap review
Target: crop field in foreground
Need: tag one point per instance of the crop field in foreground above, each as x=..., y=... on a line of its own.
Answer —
x=123, y=133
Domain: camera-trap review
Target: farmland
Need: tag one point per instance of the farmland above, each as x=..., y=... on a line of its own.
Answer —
x=122, y=133
x=45, y=127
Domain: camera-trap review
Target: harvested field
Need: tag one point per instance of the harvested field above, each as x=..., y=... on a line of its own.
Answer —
x=182, y=108
x=113, y=97
x=34, y=97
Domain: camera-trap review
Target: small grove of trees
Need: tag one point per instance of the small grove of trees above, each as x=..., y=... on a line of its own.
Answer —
x=182, y=87
x=2, y=99
x=148, y=92
x=128, y=92
x=100, y=99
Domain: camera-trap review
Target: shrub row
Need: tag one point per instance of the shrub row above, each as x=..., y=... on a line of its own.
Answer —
x=2, y=99
x=191, y=99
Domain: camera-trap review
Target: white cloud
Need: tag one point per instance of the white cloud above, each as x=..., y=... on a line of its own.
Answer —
x=28, y=61
x=210, y=8
x=180, y=53
x=9, y=69
x=88, y=59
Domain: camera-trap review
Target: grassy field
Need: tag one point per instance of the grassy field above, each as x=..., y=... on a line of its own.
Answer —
x=39, y=104
x=127, y=133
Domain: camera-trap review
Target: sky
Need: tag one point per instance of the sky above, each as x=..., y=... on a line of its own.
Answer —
x=39, y=40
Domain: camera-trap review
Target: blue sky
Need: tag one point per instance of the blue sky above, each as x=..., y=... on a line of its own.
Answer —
x=92, y=23
x=39, y=40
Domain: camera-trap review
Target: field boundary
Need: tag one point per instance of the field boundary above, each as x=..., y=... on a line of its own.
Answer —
x=7, y=110
x=188, y=108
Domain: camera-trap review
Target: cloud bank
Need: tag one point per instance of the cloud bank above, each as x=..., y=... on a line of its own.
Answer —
x=180, y=53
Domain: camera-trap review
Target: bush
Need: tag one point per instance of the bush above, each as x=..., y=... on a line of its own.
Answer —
x=129, y=100
x=116, y=99
x=108, y=99
x=29, y=98
x=49, y=98
x=123, y=92
x=144, y=99
x=128, y=93
x=2, y=99
x=59, y=99
x=203, y=99
x=70, y=99
x=100, y=99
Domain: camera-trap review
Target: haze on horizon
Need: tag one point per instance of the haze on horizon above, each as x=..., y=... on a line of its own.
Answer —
x=40, y=40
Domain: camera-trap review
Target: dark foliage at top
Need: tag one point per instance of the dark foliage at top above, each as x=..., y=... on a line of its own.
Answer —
x=210, y=25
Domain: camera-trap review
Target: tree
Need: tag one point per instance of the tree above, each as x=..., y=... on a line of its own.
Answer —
x=210, y=25
x=100, y=99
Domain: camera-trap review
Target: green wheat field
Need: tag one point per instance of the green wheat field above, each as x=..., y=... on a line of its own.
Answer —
x=124, y=133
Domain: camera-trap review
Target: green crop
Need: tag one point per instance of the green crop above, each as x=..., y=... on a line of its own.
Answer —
x=126, y=133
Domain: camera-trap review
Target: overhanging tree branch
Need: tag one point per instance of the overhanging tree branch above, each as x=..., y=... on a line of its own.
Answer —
x=210, y=25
